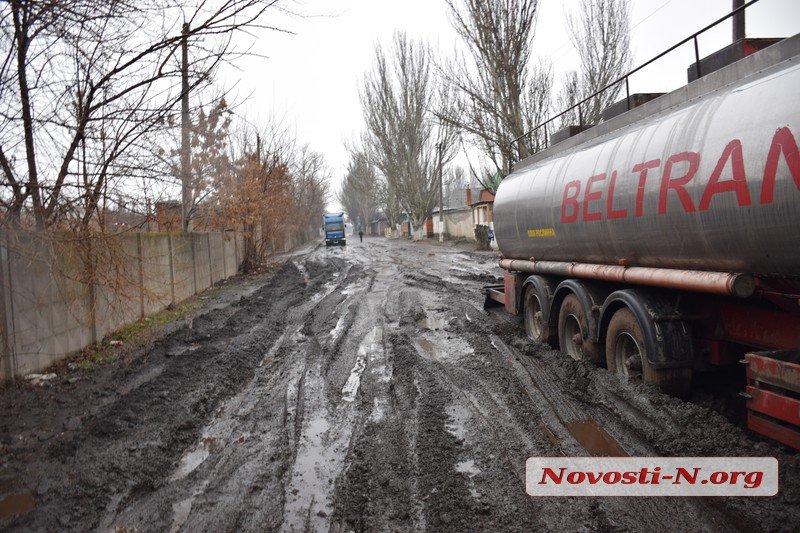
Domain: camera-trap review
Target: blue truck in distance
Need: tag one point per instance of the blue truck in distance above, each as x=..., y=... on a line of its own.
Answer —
x=333, y=226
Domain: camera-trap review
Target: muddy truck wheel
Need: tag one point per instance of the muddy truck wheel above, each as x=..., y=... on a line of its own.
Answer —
x=626, y=354
x=573, y=332
x=535, y=316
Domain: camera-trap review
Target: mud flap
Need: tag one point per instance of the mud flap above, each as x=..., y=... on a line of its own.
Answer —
x=668, y=337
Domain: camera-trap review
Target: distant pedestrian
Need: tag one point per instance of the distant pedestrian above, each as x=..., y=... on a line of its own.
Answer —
x=361, y=233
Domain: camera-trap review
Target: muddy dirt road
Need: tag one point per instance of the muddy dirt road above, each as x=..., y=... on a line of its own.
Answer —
x=354, y=389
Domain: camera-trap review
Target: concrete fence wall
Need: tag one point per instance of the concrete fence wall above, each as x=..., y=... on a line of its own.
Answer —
x=47, y=312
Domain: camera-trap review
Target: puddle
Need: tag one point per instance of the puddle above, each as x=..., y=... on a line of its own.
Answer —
x=457, y=424
x=354, y=381
x=426, y=348
x=305, y=493
x=303, y=272
x=470, y=470
x=327, y=289
x=181, y=350
x=549, y=434
x=16, y=504
x=379, y=408
x=595, y=439
x=461, y=258
x=352, y=289
x=368, y=347
x=339, y=327
x=468, y=467
x=193, y=459
x=449, y=349
x=433, y=324
x=181, y=509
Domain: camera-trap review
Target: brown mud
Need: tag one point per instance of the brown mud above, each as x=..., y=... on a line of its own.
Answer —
x=355, y=389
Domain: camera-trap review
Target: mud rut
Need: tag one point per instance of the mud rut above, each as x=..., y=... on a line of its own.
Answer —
x=363, y=389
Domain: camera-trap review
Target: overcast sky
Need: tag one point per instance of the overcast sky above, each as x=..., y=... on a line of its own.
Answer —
x=310, y=79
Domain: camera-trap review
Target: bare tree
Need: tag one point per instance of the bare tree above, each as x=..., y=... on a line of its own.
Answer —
x=389, y=202
x=359, y=194
x=455, y=185
x=402, y=134
x=86, y=89
x=600, y=32
x=311, y=188
x=500, y=95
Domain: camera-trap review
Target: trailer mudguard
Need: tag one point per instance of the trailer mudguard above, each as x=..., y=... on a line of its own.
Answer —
x=668, y=337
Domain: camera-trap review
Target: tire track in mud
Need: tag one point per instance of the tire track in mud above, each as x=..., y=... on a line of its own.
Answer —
x=244, y=447
x=344, y=339
x=232, y=476
x=574, y=431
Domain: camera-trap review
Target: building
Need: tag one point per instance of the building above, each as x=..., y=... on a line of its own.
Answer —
x=482, y=208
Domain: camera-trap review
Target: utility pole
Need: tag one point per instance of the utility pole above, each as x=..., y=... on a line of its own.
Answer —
x=439, y=147
x=186, y=172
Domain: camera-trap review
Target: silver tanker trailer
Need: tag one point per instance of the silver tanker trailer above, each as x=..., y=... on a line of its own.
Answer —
x=666, y=240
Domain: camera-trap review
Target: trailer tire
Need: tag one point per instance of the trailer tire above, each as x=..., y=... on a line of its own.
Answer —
x=573, y=332
x=626, y=355
x=535, y=314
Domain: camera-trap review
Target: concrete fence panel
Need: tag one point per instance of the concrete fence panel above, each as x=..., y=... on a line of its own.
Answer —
x=118, y=292
x=216, y=242
x=47, y=310
x=54, y=301
x=231, y=259
x=202, y=261
x=157, y=278
x=183, y=266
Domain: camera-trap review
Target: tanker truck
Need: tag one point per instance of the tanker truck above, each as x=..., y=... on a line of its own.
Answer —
x=666, y=240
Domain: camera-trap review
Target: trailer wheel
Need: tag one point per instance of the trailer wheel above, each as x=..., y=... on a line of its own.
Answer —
x=534, y=313
x=573, y=331
x=626, y=354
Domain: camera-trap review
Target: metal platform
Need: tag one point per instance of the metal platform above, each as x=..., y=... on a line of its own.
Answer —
x=773, y=395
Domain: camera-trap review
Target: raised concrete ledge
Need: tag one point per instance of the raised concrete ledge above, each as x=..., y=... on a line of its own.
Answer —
x=785, y=50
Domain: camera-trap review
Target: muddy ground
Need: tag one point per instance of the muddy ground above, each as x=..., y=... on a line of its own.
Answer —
x=359, y=388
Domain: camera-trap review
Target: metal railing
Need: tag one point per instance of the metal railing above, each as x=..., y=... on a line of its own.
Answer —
x=624, y=78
